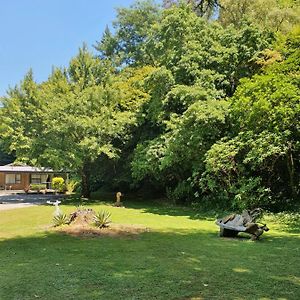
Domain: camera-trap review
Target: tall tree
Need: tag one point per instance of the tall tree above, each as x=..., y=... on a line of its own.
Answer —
x=274, y=15
x=205, y=51
x=129, y=44
x=21, y=116
x=258, y=163
x=202, y=8
x=66, y=122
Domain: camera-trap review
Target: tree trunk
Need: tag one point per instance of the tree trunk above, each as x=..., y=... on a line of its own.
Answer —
x=291, y=170
x=85, y=181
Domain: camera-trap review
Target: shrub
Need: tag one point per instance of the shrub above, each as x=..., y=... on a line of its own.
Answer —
x=250, y=193
x=37, y=187
x=182, y=194
x=60, y=219
x=58, y=184
x=71, y=186
x=212, y=202
x=102, y=219
x=238, y=193
x=210, y=194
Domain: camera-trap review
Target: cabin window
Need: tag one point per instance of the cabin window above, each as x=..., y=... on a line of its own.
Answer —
x=12, y=178
x=38, y=178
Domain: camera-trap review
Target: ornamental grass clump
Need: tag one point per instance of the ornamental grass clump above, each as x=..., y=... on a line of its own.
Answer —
x=71, y=186
x=102, y=219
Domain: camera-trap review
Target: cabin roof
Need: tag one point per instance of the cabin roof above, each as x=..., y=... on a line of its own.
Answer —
x=26, y=169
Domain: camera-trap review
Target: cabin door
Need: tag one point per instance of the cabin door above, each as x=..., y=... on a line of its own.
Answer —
x=48, y=182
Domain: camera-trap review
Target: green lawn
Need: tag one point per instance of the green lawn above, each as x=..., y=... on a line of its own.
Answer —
x=181, y=258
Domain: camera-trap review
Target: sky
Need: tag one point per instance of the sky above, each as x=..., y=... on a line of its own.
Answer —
x=40, y=34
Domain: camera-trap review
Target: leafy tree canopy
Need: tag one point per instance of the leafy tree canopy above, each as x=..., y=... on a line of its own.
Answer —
x=275, y=15
x=196, y=99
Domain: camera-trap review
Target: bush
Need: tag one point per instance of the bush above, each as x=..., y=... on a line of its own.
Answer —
x=71, y=186
x=250, y=193
x=212, y=202
x=210, y=194
x=58, y=184
x=60, y=219
x=238, y=194
x=182, y=194
x=102, y=219
x=37, y=187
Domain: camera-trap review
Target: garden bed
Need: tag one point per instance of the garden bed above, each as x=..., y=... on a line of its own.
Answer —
x=114, y=230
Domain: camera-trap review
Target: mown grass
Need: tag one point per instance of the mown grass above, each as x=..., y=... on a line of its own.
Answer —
x=182, y=257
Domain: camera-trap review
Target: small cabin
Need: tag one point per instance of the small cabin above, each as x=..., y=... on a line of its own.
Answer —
x=13, y=177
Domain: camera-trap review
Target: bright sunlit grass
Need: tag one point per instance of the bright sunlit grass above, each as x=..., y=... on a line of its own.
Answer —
x=181, y=257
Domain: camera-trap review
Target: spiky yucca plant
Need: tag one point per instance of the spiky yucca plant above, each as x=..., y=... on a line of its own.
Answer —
x=60, y=219
x=102, y=219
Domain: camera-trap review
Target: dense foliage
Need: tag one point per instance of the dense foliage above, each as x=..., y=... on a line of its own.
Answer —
x=191, y=100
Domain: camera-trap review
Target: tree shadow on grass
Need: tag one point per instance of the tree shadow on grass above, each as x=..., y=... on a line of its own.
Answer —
x=169, y=265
